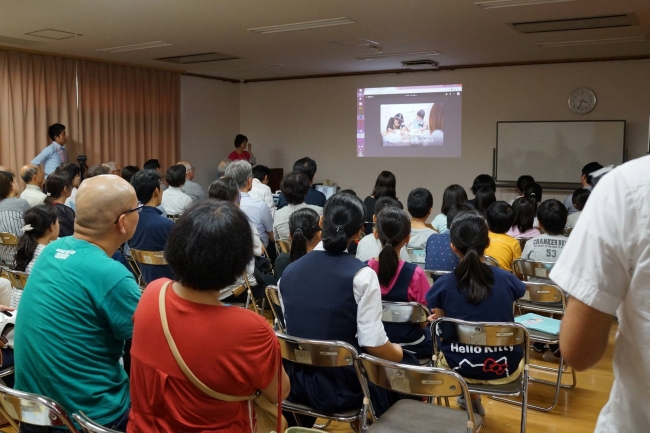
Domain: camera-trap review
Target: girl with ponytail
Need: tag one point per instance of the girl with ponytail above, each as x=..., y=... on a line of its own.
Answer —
x=59, y=187
x=479, y=293
x=41, y=227
x=304, y=233
x=400, y=281
x=524, y=225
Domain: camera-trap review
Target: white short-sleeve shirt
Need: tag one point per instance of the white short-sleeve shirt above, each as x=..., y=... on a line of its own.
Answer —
x=606, y=265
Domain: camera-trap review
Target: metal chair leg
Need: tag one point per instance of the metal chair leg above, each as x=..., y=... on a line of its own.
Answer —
x=323, y=426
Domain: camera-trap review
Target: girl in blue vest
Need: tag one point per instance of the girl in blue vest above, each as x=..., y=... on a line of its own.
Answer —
x=401, y=281
x=478, y=293
x=330, y=295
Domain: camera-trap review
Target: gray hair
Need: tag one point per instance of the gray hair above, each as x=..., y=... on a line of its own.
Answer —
x=28, y=174
x=221, y=168
x=240, y=171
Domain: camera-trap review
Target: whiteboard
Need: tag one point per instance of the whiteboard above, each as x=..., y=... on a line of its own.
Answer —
x=557, y=151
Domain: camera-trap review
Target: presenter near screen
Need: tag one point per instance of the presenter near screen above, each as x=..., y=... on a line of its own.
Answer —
x=243, y=150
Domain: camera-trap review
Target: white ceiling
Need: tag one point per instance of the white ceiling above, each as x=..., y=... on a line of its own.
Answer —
x=462, y=32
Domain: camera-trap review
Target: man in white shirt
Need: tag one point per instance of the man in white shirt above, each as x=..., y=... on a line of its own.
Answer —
x=257, y=211
x=260, y=189
x=190, y=188
x=174, y=200
x=605, y=267
x=34, y=177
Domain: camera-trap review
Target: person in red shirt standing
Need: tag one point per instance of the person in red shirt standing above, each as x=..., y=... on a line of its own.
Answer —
x=242, y=150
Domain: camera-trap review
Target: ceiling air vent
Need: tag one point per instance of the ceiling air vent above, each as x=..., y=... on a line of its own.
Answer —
x=625, y=20
x=420, y=64
x=198, y=58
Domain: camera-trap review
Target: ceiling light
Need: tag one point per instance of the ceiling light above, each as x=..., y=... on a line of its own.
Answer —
x=624, y=20
x=134, y=47
x=409, y=54
x=591, y=42
x=302, y=26
x=359, y=42
x=198, y=58
x=53, y=34
x=495, y=4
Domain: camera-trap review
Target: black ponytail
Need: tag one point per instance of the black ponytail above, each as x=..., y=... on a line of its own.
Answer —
x=342, y=219
x=469, y=234
x=37, y=220
x=55, y=185
x=303, y=226
x=393, y=226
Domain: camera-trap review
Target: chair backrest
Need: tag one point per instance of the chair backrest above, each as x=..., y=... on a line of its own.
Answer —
x=18, y=282
x=432, y=275
x=567, y=231
x=317, y=353
x=283, y=246
x=522, y=243
x=404, y=312
x=7, y=238
x=156, y=258
x=530, y=268
x=274, y=302
x=407, y=379
x=34, y=409
x=8, y=247
x=490, y=261
x=173, y=217
x=543, y=293
x=89, y=426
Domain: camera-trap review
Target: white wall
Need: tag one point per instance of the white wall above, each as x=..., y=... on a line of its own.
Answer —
x=316, y=117
x=209, y=122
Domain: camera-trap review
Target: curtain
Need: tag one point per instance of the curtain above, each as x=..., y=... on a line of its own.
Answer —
x=35, y=92
x=128, y=114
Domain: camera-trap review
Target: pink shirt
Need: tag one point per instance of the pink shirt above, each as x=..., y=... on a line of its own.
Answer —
x=418, y=287
x=528, y=234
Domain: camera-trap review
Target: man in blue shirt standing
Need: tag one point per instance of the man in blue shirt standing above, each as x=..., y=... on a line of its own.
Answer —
x=54, y=154
x=153, y=227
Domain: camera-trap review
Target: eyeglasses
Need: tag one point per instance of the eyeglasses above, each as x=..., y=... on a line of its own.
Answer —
x=137, y=208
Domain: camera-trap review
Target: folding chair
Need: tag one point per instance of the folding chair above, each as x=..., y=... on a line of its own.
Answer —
x=567, y=231
x=403, y=313
x=173, y=217
x=18, y=282
x=18, y=407
x=155, y=258
x=8, y=247
x=274, y=302
x=89, y=426
x=135, y=268
x=282, y=246
x=490, y=261
x=412, y=416
x=486, y=335
x=527, y=269
x=318, y=353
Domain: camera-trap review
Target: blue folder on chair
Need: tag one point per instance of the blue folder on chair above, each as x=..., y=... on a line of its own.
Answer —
x=539, y=323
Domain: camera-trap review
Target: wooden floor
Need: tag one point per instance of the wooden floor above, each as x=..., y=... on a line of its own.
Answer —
x=576, y=412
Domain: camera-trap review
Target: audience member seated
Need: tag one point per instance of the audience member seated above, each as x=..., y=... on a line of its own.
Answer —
x=316, y=198
x=77, y=310
x=479, y=293
x=523, y=226
x=229, y=349
x=74, y=173
x=384, y=187
x=243, y=150
x=128, y=172
x=225, y=189
x=11, y=208
x=547, y=247
x=304, y=233
x=294, y=188
x=482, y=181
x=59, y=188
x=440, y=256
x=584, y=180
x=260, y=189
x=520, y=187
x=34, y=178
x=400, y=281
x=257, y=211
x=370, y=246
x=152, y=164
x=580, y=197
x=174, y=200
x=193, y=189
x=7, y=359
x=484, y=197
x=329, y=295
x=96, y=170
x=221, y=168
x=113, y=168
x=453, y=195
x=533, y=192
x=153, y=227
x=503, y=248
x=420, y=204
x=41, y=228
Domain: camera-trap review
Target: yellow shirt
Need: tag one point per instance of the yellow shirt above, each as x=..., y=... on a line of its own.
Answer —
x=505, y=249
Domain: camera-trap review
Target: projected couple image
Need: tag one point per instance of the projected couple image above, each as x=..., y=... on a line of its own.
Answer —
x=412, y=124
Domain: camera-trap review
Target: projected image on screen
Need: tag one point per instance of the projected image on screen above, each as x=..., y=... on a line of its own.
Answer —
x=417, y=121
x=412, y=124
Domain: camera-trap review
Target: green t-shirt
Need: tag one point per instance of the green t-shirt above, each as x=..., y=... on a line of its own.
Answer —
x=75, y=313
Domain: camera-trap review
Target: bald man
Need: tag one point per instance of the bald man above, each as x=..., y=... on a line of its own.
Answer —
x=190, y=188
x=76, y=318
x=34, y=178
